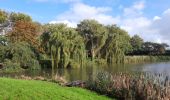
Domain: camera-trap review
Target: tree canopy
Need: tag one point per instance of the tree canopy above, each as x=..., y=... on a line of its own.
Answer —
x=95, y=35
x=64, y=45
x=136, y=42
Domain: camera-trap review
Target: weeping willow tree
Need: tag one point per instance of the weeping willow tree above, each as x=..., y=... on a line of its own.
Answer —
x=117, y=44
x=65, y=46
x=95, y=35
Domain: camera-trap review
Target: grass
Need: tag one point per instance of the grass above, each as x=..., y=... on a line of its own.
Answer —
x=15, y=89
x=143, y=59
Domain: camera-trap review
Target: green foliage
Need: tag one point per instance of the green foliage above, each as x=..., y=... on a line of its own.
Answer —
x=3, y=40
x=2, y=53
x=136, y=43
x=21, y=54
x=3, y=16
x=117, y=44
x=14, y=17
x=3, y=43
x=102, y=82
x=64, y=45
x=101, y=62
x=151, y=48
x=11, y=66
x=69, y=47
x=95, y=35
x=73, y=64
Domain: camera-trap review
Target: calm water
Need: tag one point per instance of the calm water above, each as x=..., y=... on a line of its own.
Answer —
x=85, y=72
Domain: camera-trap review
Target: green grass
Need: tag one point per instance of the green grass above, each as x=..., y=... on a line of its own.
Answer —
x=13, y=89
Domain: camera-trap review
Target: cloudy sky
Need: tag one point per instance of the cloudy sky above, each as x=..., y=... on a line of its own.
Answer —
x=148, y=18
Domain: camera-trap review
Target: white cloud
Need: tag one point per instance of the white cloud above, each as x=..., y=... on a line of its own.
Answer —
x=80, y=11
x=141, y=26
x=162, y=26
x=156, y=29
x=68, y=23
x=139, y=5
x=167, y=12
x=132, y=20
x=135, y=9
x=156, y=18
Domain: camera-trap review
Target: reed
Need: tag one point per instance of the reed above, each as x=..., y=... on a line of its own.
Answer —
x=143, y=59
x=124, y=86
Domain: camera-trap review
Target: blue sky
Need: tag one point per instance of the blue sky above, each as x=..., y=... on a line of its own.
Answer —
x=47, y=10
x=148, y=18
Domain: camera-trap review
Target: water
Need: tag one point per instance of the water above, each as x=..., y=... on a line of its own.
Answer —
x=85, y=72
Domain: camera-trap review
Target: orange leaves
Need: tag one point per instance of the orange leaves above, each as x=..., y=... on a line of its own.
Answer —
x=26, y=31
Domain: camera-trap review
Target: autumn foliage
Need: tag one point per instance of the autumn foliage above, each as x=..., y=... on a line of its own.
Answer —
x=25, y=31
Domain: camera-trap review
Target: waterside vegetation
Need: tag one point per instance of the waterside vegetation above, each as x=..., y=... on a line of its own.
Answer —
x=124, y=86
x=26, y=44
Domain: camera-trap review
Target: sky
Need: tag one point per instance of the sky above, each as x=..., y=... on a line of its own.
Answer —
x=150, y=19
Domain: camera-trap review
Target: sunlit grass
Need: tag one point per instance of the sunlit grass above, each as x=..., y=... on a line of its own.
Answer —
x=12, y=89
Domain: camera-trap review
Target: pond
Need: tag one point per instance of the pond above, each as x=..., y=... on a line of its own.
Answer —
x=85, y=72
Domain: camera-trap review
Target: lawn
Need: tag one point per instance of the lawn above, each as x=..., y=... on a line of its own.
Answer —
x=14, y=89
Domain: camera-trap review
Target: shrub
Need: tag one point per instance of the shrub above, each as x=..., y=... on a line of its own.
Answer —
x=102, y=83
x=10, y=66
x=22, y=55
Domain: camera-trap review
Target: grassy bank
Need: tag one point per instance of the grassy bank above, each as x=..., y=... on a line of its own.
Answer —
x=12, y=89
x=143, y=59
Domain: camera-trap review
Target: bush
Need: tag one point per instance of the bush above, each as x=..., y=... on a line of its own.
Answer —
x=33, y=64
x=21, y=55
x=102, y=83
x=10, y=66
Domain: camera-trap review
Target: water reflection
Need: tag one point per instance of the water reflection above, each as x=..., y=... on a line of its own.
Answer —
x=85, y=72
x=163, y=67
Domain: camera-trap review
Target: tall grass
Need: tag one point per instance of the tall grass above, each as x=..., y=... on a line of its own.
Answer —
x=142, y=59
x=125, y=86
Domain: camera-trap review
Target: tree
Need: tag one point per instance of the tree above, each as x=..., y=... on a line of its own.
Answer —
x=3, y=21
x=95, y=35
x=25, y=31
x=64, y=45
x=117, y=44
x=136, y=43
x=154, y=48
x=2, y=53
x=20, y=53
x=14, y=17
x=3, y=16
